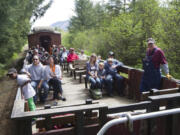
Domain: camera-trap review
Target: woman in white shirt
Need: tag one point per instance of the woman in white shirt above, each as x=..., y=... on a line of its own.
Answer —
x=53, y=74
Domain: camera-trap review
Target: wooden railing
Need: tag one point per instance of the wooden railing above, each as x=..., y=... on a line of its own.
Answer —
x=167, y=97
x=24, y=119
x=166, y=125
x=133, y=83
x=153, y=103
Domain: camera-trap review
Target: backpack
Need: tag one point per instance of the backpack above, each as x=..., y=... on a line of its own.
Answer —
x=96, y=93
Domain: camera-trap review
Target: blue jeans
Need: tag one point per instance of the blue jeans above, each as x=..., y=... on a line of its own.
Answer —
x=151, y=77
x=119, y=83
x=61, y=60
x=44, y=86
x=103, y=82
x=95, y=82
x=34, y=84
x=109, y=82
x=117, y=79
x=44, y=91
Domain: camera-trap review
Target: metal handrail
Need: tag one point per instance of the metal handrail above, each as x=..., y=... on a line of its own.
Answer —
x=137, y=117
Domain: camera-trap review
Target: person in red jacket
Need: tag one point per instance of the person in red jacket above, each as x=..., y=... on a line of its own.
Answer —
x=72, y=56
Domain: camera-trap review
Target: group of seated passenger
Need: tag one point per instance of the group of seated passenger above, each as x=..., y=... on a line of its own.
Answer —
x=36, y=77
x=59, y=53
x=43, y=76
x=45, y=71
x=40, y=52
x=104, y=74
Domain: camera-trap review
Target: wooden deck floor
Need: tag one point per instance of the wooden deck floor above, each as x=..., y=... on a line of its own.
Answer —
x=76, y=93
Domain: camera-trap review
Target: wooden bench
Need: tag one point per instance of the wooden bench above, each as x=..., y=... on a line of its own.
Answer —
x=155, y=92
x=167, y=87
x=85, y=81
x=79, y=68
x=65, y=65
x=80, y=73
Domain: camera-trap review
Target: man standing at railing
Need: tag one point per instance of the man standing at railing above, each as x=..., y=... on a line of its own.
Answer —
x=151, y=64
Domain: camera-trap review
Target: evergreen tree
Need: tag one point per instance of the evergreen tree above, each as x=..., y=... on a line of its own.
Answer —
x=15, y=24
x=124, y=27
x=84, y=18
x=171, y=26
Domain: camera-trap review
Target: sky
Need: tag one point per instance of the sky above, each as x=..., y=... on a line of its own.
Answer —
x=60, y=10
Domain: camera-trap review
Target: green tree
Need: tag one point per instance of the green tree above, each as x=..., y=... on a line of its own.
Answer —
x=125, y=26
x=15, y=16
x=115, y=7
x=171, y=27
x=84, y=18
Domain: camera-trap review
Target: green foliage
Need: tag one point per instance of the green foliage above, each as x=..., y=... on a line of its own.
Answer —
x=15, y=16
x=84, y=16
x=171, y=38
x=124, y=27
x=122, y=34
x=115, y=7
x=88, y=16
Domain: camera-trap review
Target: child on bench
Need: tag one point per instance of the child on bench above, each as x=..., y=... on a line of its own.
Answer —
x=101, y=74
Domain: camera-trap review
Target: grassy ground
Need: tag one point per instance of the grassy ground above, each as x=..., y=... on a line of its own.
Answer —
x=12, y=62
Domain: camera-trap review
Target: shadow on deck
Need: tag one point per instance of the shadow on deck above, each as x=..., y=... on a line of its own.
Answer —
x=76, y=93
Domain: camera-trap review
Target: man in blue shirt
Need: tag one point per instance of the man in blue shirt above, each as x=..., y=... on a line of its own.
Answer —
x=112, y=75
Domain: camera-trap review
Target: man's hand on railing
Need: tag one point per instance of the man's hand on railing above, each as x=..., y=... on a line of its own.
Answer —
x=168, y=76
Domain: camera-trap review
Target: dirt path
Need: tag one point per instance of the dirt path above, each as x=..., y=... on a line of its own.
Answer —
x=7, y=96
x=8, y=91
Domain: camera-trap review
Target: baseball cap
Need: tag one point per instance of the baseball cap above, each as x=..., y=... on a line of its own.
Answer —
x=151, y=41
x=71, y=49
x=36, y=50
x=11, y=71
x=111, y=53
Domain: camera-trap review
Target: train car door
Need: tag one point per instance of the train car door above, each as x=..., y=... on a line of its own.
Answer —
x=45, y=42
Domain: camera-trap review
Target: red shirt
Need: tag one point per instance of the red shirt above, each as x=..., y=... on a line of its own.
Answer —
x=158, y=57
x=71, y=57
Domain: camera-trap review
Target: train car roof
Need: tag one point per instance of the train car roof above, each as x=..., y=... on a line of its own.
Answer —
x=43, y=29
